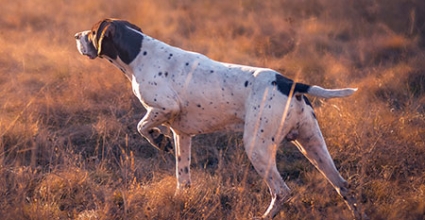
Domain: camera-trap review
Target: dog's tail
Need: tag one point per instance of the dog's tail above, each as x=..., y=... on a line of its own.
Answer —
x=285, y=85
x=330, y=93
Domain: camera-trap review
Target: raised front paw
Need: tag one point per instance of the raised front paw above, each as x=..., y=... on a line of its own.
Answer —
x=161, y=141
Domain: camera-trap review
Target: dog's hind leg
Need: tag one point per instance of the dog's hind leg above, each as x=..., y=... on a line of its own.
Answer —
x=311, y=143
x=262, y=154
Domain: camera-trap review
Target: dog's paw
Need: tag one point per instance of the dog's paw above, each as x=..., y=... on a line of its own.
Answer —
x=161, y=141
x=165, y=143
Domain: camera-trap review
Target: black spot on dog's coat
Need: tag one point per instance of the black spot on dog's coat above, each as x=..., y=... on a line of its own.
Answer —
x=307, y=101
x=298, y=97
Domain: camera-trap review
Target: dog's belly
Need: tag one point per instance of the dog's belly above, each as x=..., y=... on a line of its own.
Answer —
x=204, y=117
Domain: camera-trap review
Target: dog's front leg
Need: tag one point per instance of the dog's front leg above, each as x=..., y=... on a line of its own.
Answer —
x=182, y=147
x=147, y=128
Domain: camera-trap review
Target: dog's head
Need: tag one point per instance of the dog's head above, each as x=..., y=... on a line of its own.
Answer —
x=112, y=38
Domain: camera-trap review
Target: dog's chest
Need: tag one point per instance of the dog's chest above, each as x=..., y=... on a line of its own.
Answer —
x=136, y=89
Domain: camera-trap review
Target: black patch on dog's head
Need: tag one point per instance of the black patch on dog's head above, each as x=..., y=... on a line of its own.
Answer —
x=113, y=38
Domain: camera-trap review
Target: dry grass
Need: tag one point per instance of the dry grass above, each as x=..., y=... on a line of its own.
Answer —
x=69, y=148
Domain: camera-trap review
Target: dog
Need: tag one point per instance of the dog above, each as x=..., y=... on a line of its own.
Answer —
x=192, y=94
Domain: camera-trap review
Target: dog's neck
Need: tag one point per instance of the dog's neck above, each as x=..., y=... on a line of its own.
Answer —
x=125, y=67
x=152, y=53
x=128, y=72
x=154, y=56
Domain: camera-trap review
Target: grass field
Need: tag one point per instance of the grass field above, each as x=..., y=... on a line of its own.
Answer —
x=69, y=147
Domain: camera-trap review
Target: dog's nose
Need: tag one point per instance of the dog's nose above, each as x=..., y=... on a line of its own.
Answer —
x=77, y=36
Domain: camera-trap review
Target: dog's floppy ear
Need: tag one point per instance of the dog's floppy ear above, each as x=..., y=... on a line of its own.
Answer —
x=98, y=33
x=105, y=31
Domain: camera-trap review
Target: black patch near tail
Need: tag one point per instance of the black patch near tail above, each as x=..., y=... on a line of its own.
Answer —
x=284, y=85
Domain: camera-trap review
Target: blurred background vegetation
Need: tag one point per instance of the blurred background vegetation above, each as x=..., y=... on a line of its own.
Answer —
x=69, y=147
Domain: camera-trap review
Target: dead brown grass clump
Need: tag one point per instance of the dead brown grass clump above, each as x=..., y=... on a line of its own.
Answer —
x=69, y=148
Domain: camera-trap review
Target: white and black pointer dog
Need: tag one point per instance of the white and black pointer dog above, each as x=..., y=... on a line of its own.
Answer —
x=192, y=94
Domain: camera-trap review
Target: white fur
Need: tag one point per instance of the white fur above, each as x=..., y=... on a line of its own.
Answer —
x=330, y=93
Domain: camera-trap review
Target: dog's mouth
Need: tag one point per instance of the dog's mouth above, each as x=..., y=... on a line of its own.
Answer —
x=84, y=46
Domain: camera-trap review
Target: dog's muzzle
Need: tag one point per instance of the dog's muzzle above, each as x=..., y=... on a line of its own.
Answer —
x=84, y=46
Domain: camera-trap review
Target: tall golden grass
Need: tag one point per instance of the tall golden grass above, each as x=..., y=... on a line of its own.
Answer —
x=69, y=147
